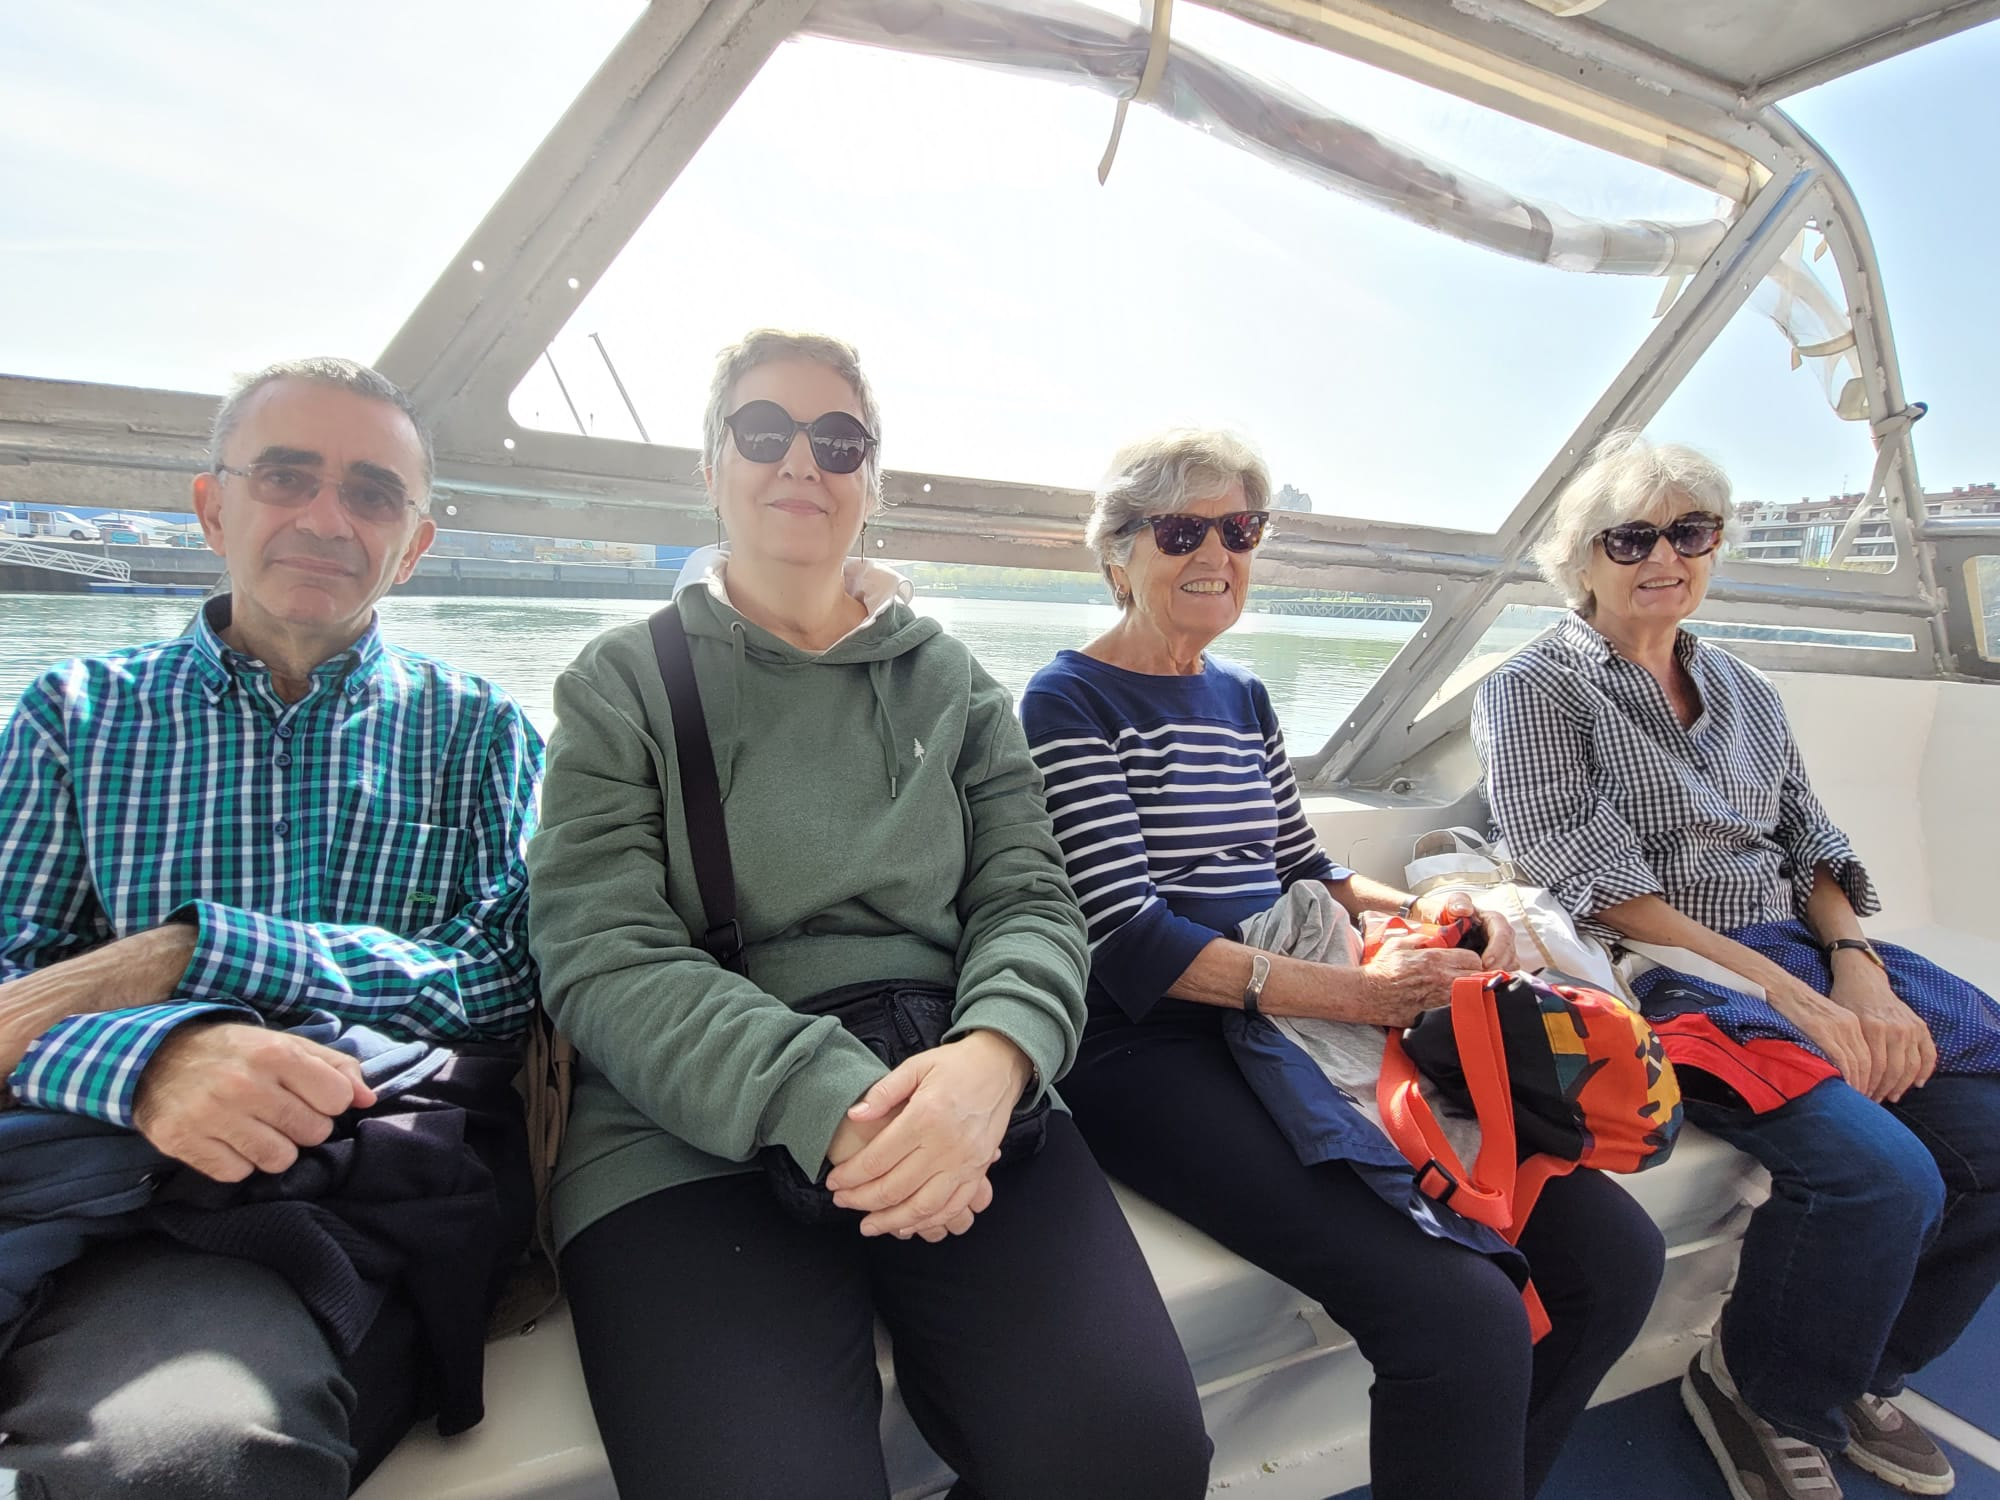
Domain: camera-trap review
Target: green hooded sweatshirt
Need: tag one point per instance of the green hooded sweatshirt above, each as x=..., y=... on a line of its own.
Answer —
x=885, y=822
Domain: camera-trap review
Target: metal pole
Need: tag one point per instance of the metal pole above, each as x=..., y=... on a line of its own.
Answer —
x=575, y=416
x=605, y=354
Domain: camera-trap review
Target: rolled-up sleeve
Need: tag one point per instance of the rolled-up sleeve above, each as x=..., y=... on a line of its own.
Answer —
x=1561, y=831
x=1810, y=839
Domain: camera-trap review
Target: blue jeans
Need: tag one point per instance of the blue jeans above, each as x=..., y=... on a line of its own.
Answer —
x=1879, y=1244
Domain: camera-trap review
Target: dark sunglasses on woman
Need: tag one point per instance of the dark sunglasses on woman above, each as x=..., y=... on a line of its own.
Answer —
x=1179, y=534
x=1695, y=534
x=764, y=430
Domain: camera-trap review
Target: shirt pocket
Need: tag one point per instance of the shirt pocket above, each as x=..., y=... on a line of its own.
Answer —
x=402, y=877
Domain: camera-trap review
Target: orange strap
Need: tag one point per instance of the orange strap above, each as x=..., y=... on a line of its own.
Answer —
x=1486, y=1192
x=1498, y=1192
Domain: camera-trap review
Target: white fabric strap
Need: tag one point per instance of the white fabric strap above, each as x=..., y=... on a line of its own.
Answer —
x=1149, y=83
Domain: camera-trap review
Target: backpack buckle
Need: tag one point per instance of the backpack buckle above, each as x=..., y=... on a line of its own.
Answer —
x=1451, y=1183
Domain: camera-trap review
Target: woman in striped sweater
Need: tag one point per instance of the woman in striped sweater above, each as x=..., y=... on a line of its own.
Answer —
x=1180, y=822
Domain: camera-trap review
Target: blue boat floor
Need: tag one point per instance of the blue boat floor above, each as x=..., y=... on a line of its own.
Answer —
x=1645, y=1448
x=1965, y=1380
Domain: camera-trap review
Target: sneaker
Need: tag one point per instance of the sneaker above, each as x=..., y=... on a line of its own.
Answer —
x=1890, y=1445
x=1757, y=1461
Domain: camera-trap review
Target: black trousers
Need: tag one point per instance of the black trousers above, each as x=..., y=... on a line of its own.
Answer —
x=1463, y=1404
x=729, y=1350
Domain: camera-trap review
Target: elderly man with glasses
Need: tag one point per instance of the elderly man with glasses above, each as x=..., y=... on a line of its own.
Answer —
x=256, y=883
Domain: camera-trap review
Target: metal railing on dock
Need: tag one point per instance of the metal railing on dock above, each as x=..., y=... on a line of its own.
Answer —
x=60, y=560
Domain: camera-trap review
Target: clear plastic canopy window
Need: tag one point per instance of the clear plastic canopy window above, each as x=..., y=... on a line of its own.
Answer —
x=189, y=191
x=1021, y=321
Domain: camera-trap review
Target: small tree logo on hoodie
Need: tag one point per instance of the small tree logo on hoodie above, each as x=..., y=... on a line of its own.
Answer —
x=918, y=745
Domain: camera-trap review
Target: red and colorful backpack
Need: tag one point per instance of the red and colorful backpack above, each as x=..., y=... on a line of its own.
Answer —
x=1559, y=1077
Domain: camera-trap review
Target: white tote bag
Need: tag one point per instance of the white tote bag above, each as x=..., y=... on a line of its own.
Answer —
x=1545, y=935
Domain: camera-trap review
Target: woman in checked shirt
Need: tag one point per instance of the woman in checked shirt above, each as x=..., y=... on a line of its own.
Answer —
x=1652, y=782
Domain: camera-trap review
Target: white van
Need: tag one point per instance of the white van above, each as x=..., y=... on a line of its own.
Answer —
x=65, y=525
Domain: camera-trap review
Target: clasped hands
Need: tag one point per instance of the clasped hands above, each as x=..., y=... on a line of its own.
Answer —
x=913, y=1153
x=1882, y=1047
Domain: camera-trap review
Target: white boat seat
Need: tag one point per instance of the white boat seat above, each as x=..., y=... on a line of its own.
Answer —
x=1283, y=1389
x=1271, y=1365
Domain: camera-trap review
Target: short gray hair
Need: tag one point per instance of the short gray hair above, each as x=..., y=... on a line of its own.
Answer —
x=763, y=346
x=1168, y=472
x=347, y=375
x=1627, y=477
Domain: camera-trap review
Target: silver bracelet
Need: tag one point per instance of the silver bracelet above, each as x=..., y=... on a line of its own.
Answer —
x=1260, y=970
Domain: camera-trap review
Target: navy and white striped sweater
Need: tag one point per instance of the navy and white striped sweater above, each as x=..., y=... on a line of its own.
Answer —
x=1177, y=814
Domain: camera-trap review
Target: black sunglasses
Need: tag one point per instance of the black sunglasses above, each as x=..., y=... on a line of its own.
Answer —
x=1695, y=534
x=1179, y=534
x=764, y=431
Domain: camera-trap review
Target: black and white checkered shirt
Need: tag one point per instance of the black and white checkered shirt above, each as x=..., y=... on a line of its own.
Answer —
x=1602, y=796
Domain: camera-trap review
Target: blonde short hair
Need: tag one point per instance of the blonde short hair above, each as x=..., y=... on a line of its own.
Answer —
x=1627, y=477
x=1168, y=472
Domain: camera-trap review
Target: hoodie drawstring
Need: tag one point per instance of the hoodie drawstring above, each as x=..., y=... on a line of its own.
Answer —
x=885, y=724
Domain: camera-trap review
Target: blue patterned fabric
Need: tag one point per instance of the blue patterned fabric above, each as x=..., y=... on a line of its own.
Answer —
x=1964, y=1020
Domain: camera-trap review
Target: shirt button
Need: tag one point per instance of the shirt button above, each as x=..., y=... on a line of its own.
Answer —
x=281, y=828
x=284, y=731
x=281, y=759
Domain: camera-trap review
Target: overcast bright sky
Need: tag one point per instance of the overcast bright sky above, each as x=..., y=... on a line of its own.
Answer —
x=190, y=191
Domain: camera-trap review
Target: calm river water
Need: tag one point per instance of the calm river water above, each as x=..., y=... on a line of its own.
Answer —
x=1316, y=669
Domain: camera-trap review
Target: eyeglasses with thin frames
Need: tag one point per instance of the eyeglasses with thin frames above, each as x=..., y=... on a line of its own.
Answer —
x=289, y=487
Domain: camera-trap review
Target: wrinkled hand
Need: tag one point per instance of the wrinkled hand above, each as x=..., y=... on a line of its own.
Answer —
x=1403, y=981
x=1834, y=1029
x=230, y=1100
x=1901, y=1054
x=1499, y=952
x=925, y=1172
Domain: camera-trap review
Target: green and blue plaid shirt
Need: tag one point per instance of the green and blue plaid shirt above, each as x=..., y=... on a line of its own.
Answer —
x=358, y=853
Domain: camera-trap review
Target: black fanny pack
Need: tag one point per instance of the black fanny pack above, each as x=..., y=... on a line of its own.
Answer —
x=893, y=1018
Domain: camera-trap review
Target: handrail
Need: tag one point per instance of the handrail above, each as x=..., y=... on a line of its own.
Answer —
x=1949, y=528
x=61, y=560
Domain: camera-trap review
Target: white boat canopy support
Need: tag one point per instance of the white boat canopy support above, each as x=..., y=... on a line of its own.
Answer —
x=1069, y=42
x=1075, y=43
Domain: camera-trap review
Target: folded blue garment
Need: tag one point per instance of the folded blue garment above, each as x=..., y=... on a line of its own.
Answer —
x=66, y=1180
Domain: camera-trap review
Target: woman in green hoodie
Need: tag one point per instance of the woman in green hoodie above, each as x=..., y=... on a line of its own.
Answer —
x=884, y=822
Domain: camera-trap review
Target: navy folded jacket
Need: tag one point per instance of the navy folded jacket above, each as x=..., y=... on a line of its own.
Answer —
x=426, y=1193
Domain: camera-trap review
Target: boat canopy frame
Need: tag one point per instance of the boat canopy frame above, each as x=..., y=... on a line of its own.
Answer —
x=583, y=193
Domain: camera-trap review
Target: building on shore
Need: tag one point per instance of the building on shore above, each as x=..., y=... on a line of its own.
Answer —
x=1805, y=531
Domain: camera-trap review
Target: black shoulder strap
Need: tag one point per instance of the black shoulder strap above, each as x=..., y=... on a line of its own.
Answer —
x=701, y=792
